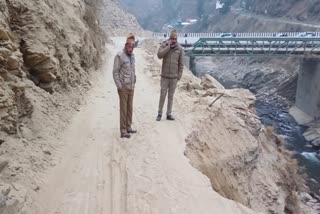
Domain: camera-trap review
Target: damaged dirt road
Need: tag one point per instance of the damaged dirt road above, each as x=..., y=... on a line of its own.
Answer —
x=100, y=173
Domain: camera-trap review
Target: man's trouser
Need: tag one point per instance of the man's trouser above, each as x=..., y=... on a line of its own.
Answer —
x=168, y=86
x=126, y=100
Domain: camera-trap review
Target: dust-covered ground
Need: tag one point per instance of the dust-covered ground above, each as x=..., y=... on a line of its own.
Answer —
x=98, y=172
x=60, y=147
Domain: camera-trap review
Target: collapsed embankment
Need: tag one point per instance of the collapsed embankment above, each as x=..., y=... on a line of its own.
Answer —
x=244, y=161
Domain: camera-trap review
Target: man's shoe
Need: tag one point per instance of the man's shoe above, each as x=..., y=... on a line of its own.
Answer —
x=125, y=135
x=170, y=117
x=132, y=131
x=159, y=117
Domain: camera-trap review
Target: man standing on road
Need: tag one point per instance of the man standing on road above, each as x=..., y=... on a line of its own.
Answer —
x=125, y=79
x=172, y=67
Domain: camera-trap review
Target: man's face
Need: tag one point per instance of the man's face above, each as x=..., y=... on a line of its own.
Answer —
x=173, y=41
x=129, y=48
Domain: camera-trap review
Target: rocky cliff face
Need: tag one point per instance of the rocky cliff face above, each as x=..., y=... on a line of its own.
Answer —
x=52, y=45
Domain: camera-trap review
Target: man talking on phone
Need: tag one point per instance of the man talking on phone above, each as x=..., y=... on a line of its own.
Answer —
x=172, y=68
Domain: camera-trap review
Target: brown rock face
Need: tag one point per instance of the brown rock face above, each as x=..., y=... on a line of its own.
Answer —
x=54, y=44
x=4, y=35
x=13, y=63
x=209, y=82
x=47, y=77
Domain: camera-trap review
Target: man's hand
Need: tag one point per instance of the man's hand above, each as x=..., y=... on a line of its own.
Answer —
x=171, y=42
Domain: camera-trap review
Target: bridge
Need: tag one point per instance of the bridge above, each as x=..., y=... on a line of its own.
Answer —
x=253, y=46
x=241, y=35
x=305, y=45
x=243, y=44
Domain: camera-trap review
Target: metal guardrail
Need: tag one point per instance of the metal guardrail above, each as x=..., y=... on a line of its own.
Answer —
x=236, y=46
x=242, y=35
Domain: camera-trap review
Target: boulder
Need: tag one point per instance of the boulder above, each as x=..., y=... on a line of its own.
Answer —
x=315, y=143
x=47, y=77
x=208, y=82
x=5, y=52
x=47, y=87
x=46, y=66
x=199, y=92
x=196, y=86
x=34, y=59
x=11, y=47
x=209, y=92
x=18, y=73
x=311, y=135
x=13, y=63
x=213, y=92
